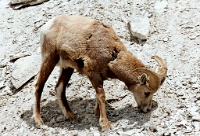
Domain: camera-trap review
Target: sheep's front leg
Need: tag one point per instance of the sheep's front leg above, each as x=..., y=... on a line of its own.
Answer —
x=101, y=98
x=97, y=83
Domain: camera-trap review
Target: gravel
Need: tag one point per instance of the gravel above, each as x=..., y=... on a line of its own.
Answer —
x=173, y=35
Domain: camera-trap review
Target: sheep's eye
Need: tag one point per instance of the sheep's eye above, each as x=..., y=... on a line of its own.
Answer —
x=147, y=94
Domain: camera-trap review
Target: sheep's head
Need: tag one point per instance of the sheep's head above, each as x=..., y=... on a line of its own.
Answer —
x=148, y=83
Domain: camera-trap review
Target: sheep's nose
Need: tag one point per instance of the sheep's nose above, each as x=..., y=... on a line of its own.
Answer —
x=146, y=109
x=140, y=109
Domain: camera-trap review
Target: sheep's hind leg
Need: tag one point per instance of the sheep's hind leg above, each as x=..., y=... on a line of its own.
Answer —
x=60, y=93
x=47, y=67
x=96, y=109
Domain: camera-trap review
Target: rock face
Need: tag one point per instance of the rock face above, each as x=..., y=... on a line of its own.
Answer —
x=24, y=69
x=139, y=27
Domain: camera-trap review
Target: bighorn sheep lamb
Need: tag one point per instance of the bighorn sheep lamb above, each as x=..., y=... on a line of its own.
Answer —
x=93, y=49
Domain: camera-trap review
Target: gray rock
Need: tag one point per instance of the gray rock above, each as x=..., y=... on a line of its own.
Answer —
x=139, y=27
x=60, y=118
x=24, y=69
x=14, y=57
x=18, y=4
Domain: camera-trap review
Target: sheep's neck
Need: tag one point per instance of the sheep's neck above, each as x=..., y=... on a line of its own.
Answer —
x=123, y=66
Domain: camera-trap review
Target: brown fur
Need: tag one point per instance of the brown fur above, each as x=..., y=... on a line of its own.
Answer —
x=93, y=49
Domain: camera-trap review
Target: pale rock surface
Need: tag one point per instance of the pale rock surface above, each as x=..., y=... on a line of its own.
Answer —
x=24, y=69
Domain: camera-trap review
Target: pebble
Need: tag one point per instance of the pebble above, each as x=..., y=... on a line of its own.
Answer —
x=165, y=39
x=60, y=118
x=166, y=134
x=198, y=96
x=195, y=86
x=153, y=129
x=52, y=121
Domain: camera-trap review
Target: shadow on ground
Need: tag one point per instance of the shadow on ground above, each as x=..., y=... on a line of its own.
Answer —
x=84, y=109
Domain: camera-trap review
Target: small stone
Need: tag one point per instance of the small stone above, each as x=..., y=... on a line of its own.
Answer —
x=52, y=121
x=193, y=80
x=14, y=57
x=60, y=118
x=2, y=85
x=167, y=134
x=184, y=83
x=198, y=96
x=153, y=129
x=2, y=64
x=165, y=39
x=195, y=86
x=192, y=37
x=196, y=118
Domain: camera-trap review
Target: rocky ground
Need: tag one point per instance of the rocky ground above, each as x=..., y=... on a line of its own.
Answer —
x=174, y=34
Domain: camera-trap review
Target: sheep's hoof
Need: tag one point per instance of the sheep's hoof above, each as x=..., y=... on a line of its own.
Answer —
x=97, y=112
x=105, y=125
x=71, y=116
x=38, y=120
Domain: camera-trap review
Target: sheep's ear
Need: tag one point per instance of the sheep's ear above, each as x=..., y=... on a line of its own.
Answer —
x=151, y=78
x=143, y=79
